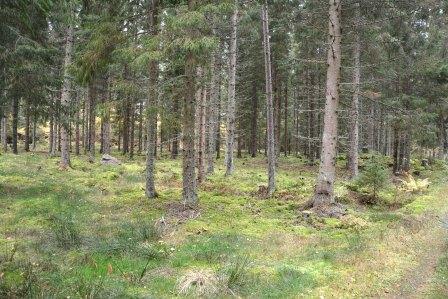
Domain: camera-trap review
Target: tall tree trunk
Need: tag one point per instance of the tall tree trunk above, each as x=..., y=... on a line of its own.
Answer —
x=106, y=122
x=189, y=192
x=277, y=108
x=140, y=128
x=254, y=121
x=65, y=100
x=34, y=138
x=229, y=160
x=189, y=175
x=396, y=149
x=77, y=132
x=51, y=134
x=213, y=106
x=126, y=125
x=324, y=191
x=285, y=137
x=132, y=137
x=176, y=135
x=353, y=131
x=15, y=123
x=3, y=136
x=84, y=125
x=92, y=119
x=271, y=154
x=371, y=127
x=27, y=126
x=218, y=125
x=201, y=99
x=150, y=189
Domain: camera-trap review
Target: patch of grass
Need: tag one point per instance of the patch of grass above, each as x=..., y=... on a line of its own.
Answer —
x=65, y=230
x=207, y=250
x=440, y=284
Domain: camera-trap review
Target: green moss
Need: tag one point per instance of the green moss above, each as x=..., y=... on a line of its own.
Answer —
x=119, y=253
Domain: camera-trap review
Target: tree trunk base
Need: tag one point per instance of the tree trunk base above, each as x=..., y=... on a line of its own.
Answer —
x=329, y=210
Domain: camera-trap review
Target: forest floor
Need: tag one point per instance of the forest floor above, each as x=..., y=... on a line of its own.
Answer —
x=89, y=232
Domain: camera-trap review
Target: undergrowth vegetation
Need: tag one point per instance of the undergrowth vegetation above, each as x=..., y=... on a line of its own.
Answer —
x=89, y=232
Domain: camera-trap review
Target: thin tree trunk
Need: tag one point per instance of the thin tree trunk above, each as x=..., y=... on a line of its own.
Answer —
x=396, y=144
x=132, y=137
x=126, y=126
x=285, y=137
x=150, y=189
x=27, y=126
x=324, y=191
x=15, y=123
x=213, y=105
x=140, y=128
x=4, y=139
x=92, y=120
x=65, y=100
x=271, y=154
x=77, y=133
x=84, y=126
x=202, y=96
x=218, y=125
x=353, y=132
x=176, y=135
x=51, y=134
x=106, y=150
x=254, y=122
x=229, y=160
x=34, y=138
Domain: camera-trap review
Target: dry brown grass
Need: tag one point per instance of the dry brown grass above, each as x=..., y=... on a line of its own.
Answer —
x=199, y=283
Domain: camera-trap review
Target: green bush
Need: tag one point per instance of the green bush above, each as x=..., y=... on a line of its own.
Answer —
x=373, y=178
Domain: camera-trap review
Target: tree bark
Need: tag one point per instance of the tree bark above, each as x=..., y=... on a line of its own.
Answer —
x=140, y=128
x=201, y=99
x=65, y=99
x=285, y=137
x=92, y=120
x=132, y=133
x=77, y=132
x=324, y=191
x=189, y=175
x=271, y=154
x=106, y=130
x=353, y=132
x=126, y=125
x=15, y=123
x=27, y=126
x=51, y=134
x=4, y=138
x=176, y=135
x=254, y=122
x=150, y=189
x=34, y=137
x=229, y=160
x=213, y=124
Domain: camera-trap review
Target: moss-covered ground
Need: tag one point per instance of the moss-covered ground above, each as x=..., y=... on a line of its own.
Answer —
x=89, y=232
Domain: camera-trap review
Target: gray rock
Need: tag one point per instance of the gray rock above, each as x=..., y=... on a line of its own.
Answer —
x=109, y=160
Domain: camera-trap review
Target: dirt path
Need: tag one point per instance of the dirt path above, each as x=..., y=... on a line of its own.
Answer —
x=417, y=282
